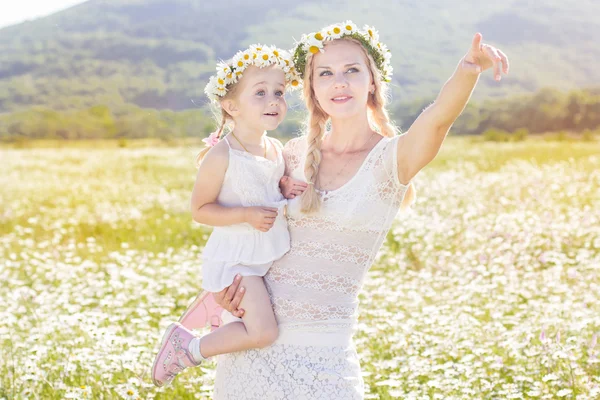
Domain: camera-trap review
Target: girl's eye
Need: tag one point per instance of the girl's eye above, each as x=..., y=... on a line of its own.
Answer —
x=260, y=93
x=325, y=73
x=279, y=93
x=352, y=69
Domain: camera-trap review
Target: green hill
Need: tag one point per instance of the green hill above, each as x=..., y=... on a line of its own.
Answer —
x=159, y=53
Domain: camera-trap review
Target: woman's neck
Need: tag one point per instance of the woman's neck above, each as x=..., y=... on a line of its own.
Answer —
x=348, y=134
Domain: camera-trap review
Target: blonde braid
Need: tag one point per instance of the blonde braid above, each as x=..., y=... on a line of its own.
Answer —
x=225, y=117
x=310, y=200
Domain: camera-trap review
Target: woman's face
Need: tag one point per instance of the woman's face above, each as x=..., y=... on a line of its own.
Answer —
x=342, y=79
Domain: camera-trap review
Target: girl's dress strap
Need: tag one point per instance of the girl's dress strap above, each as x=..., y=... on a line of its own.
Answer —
x=276, y=145
x=227, y=140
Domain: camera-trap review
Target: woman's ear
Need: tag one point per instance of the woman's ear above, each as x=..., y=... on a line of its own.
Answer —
x=230, y=106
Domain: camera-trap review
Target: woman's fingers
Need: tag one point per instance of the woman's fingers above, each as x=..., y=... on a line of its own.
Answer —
x=504, y=61
x=230, y=294
x=495, y=58
x=237, y=300
x=231, y=297
x=476, y=43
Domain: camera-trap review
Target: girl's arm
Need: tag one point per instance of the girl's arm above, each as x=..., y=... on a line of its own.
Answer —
x=209, y=180
x=290, y=187
x=424, y=138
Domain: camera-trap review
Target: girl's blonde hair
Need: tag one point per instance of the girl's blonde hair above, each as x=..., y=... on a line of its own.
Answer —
x=223, y=118
x=317, y=119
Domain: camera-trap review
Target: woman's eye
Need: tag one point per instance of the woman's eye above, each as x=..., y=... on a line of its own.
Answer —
x=325, y=73
x=352, y=69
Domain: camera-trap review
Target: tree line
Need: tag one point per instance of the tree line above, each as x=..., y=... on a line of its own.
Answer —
x=548, y=110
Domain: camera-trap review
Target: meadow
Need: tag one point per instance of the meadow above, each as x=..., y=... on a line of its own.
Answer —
x=488, y=288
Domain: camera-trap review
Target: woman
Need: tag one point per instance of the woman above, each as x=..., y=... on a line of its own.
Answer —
x=358, y=174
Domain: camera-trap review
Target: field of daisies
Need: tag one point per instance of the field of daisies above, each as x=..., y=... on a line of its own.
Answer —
x=488, y=289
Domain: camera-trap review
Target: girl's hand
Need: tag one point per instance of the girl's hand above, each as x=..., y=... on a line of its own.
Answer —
x=261, y=218
x=482, y=56
x=290, y=187
x=231, y=297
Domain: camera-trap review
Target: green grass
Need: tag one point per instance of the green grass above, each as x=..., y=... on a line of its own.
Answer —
x=487, y=288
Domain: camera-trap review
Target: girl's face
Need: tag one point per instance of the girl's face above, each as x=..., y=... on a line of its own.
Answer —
x=342, y=79
x=259, y=101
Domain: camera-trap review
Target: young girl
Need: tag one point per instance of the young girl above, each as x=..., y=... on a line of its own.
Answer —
x=237, y=192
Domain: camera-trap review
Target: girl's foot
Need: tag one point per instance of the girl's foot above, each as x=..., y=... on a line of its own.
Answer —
x=173, y=355
x=203, y=310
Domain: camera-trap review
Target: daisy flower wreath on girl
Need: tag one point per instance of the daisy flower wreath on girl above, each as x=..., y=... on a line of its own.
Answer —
x=231, y=72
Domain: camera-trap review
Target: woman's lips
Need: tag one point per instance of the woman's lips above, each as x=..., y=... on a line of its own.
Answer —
x=341, y=99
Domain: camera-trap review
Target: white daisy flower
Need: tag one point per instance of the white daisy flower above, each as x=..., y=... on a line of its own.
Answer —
x=317, y=37
x=278, y=54
x=337, y=31
x=387, y=56
x=246, y=56
x=389, y=71
x=230, y=78
x=220, y=91
x=371, y=34
x=264, y=59
x=313, y=45
x=349, y=27
x=293, y=80
x=211, y=86
x=239, y=61
x=223, y=67
x=284, y=65
x=221, y=78
x=255, y=48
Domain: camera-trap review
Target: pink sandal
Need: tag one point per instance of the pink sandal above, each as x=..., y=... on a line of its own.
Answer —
x=204, y=309
x=173, y=355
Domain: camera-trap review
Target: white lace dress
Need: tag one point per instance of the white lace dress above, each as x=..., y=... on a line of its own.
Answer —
x=314, y=288
x=249, y=181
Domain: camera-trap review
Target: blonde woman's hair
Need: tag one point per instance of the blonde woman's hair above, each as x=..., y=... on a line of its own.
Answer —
x=317, y=119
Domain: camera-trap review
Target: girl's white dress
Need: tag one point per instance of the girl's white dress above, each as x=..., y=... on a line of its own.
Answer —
x=314, y=288
x=249, y=181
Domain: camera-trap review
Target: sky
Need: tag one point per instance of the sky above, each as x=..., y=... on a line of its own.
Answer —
x=21, y=10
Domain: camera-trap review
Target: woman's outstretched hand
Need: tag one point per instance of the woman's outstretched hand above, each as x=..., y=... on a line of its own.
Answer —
x=483, y=56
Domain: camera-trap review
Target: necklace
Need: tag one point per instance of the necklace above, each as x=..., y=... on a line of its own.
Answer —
x=345, y=165
x=244, y=147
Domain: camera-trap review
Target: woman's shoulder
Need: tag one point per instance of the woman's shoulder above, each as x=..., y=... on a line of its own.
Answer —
x=297, y=143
